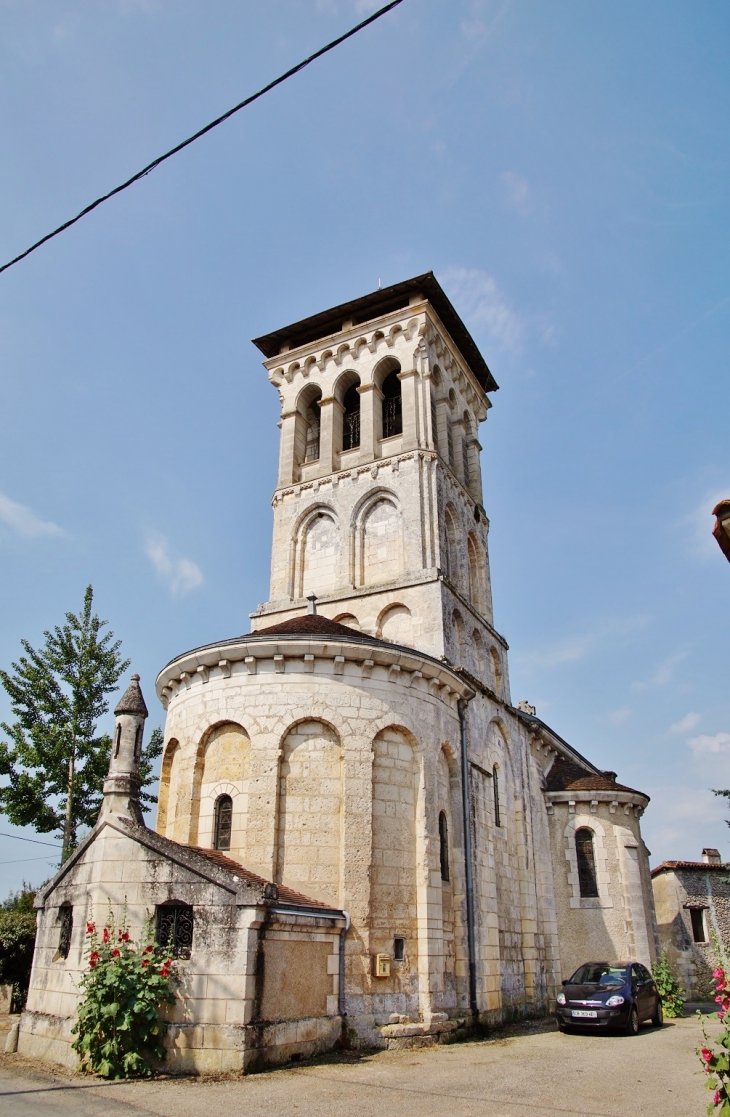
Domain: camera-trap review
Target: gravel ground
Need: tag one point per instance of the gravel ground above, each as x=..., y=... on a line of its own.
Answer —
x=530, y=1070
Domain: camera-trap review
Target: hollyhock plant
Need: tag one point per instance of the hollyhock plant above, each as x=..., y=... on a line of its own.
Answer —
x=119, y=1032
x=716, y=1057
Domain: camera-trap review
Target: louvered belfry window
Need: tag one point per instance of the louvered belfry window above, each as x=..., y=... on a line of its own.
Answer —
x=587, y=880
x=175, y=929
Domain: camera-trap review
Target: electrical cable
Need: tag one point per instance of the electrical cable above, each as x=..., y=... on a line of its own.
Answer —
x=208, y=127
x=20, y=838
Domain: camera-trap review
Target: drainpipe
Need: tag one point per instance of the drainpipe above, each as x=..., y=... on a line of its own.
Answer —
x=470, y=937
x=341, y=983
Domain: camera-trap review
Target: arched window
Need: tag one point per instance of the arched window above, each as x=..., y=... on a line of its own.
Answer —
x=392, y=406
x=311, y=449
x=223, y=819
x=587, y=881
x=444, y=845
x=175, y=929
x=351, y=419
x=495, y=790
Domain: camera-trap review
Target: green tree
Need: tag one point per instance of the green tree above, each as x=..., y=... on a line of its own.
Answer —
x=56, y=760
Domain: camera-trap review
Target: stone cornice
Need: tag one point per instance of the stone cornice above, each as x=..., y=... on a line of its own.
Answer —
x=630, y=801
x=269, y=654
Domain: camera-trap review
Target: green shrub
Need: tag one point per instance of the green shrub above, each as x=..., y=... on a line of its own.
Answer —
x=670, y=990
x=119, y=1030
x=17, y=939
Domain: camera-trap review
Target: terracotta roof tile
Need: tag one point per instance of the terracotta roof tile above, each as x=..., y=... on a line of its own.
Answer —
x=670, y=866
x=312, y=625
x=288, y=895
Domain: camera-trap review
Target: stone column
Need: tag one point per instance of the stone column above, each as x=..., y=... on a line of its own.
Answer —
x=409, y=408
x=287, y=448
x=329, y=446
x=371, y=422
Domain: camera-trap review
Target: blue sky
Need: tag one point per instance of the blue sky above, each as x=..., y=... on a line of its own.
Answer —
x=563, y=168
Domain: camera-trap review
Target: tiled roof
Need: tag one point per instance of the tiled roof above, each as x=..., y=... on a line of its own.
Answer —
x=287, y=895
x=671, y=866
x=312, y=625
x=600, y=783
x=564, y=775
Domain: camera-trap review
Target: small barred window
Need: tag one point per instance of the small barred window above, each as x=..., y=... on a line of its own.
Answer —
x=175, y=929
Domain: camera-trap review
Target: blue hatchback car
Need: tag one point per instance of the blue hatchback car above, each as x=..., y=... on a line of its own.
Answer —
x=609, y=995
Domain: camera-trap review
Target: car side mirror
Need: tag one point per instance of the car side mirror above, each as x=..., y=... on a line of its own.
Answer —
x=565, y=981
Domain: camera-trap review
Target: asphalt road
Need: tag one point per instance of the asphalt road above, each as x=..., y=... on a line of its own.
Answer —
x=538, y=1072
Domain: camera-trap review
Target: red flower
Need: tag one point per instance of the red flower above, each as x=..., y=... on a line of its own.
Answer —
x=90, y=928
x=124, y=936
x=148, y=950
x=717, y=1099
x=165, y=971
x=115, y=953
x=706, y=1054
x=106, y=934
x=93, y=959
x=144, y=963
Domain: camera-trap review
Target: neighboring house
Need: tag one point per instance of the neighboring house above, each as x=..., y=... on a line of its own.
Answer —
x=416, y=845
x=692, y=901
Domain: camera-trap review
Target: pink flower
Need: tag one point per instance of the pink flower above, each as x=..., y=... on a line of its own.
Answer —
x=719, y=972
x=706, y=1054
x=717, y=1099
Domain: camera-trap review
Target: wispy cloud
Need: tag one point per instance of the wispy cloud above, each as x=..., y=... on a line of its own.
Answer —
x=516, y=192
x=685, y=724
x=664, y=673
x=181, y=574
x=483, y=305
x=705, y=744
x=681, y=820
x=572, y=648
x=618, y=717
x=24, y=521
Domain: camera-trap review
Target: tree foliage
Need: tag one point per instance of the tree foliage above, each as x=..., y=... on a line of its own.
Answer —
x=669, y=989
x=17, y=940
x=56, y=760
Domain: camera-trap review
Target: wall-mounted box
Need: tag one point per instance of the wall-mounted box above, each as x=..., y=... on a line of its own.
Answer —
x=382, y=965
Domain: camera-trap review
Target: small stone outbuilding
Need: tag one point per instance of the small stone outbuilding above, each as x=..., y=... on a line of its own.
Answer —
x=692, y=901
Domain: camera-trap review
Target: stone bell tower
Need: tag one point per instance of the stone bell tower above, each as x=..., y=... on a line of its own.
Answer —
x=378, y=505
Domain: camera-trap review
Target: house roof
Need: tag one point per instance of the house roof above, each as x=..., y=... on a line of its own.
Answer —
x=285, y=895
x=375, y=305
x=672, y=866
x=565, y=775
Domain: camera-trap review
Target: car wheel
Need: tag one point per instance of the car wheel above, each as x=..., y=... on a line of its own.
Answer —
x=658, y=1017
x=632, y=1026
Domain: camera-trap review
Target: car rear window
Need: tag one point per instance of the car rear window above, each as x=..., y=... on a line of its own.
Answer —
x=599, y=973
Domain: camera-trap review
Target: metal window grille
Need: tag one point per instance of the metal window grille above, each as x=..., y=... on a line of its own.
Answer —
x=66, y=918
x=223, y=821
x=495, y=790
x=392, y=416
x=444, y=845
x=175, y=929
x=587, y=881
x=351, y=430
x=311, y=452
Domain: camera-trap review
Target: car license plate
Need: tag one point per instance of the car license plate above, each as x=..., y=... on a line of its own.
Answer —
x=586, y=1014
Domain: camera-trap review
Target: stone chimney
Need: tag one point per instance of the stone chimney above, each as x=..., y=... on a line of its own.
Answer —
x=524, y=707
x=711, y=856
x=121, y=787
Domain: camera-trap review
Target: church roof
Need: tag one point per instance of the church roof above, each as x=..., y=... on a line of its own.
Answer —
x=564, y=775
x=380, y=302
x=132, y=701
x=313, y=625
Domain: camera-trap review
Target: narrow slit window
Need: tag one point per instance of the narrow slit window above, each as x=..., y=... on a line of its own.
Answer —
x=495, y=792
x=66, y=920
x=223, y=822
x=175, y=929
x=138, y=743
x=399, y=948
x=444, y=845
x=587, y=880
x=118, y=741
x=697, y=915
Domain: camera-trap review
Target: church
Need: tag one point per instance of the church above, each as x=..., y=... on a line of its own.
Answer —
x=361, y=840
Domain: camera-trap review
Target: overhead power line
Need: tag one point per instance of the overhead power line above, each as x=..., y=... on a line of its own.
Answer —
x=213, y=124
x=20, y=838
